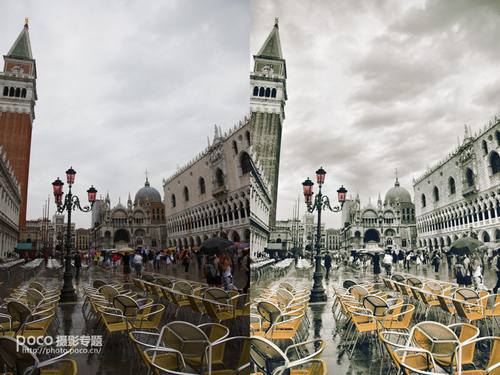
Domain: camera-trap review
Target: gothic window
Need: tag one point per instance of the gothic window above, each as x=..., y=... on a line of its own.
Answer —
x=247, y=139
x=220, y=178
x=261, y=91
x=470, y=178
x=436, y=194
x=18, y=92
x=245, y=163
x=268, y=92
x=5, y=91
x=172, y=199
x=485, y=148
x=497, y=136
x=235, y=148
x=452, y=185
x=11, y=91
x=255, y=91
x=423, y=200
x=273, y=93
x=23, y=93
x=185, y=193
x=495, y=163
x=201, y=184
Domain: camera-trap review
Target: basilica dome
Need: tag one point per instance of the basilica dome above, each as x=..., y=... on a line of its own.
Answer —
x=397, y=194
x=147, y=194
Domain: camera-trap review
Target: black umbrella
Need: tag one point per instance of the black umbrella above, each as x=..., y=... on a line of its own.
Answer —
x=464, y=245
x=214, y=245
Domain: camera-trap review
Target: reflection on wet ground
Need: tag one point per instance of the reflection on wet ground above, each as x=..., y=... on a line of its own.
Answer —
x=365, y=360
x=117, y=358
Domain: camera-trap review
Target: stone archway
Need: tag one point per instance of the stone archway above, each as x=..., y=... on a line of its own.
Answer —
x=121, y=235
x=371, y=235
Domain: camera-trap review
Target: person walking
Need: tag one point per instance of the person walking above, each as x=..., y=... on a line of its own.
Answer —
x=376, y=267
x=126, y=267
x=78, y=265
x=387, y=262
x=328, y=264
x=436, y=261
x=138, y=263
x=186, y=261
x=227, y=277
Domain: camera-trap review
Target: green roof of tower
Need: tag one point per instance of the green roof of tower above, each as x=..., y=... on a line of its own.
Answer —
x=22, y=45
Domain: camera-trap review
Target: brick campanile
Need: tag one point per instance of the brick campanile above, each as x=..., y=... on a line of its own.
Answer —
x=17, y=111
x=267, y=106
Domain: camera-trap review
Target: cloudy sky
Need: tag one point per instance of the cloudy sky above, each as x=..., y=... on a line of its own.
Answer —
x=128, y=86
x=378, y=85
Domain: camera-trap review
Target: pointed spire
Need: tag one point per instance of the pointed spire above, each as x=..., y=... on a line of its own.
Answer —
x=272, y=45
x=22, y=45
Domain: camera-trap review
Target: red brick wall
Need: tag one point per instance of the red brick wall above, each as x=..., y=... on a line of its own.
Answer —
x=15, y=137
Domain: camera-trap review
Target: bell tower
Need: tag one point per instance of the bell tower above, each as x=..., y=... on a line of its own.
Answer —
x=17, y=111
x=267, y=107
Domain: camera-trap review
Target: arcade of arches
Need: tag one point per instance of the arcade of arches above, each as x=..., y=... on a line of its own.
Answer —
x=191, y=227
x=442, y=227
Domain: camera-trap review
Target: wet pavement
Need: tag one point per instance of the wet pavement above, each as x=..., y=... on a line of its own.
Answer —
x=365, y=360
x=117, y=357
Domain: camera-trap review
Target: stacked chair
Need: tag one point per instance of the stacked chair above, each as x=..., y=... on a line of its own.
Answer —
x=278, y=344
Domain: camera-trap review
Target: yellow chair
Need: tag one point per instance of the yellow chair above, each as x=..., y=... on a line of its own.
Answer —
x=150, y=321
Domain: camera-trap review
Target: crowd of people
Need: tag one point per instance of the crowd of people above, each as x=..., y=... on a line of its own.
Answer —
x=468, y=270
x=218, y=269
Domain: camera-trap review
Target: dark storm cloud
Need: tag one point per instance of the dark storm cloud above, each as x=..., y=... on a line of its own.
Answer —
x=375, y=86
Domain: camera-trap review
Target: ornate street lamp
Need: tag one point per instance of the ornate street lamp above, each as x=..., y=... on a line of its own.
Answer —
x=71, y=202
x=321, y=203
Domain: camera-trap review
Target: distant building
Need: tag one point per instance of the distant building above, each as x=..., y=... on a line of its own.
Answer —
x=17, y=112
x=389, y=224
x=461, y=194
x=140, y=224
x=10, y=203
x=82, y=239
x=212, y=192
x=260, y=202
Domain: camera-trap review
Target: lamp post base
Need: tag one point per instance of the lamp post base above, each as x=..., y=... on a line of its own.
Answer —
x=318, y=292
x=68, y=293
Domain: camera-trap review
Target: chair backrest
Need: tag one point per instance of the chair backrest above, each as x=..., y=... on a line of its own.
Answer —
x=348, y=283
x=108, y=292
x=414, y=281
x=467, y=295
x=398, y=278
x=443, y=302
x=126, y=304
x=266, y=355
x=165, y=281
x=216, y=294
x=358, y=292
x=19, y=311
x=184, y=287
x=375, y=304
x=268, y=310
x=34, y=296
x=434, y=337
x=148, y=278
x=16, y=355
x=433, y=287
x=98, y=283
x=37, y=286
x=284, y=296
x=185, y=337
x=287, y=286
